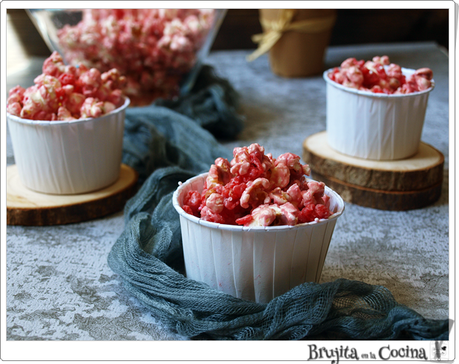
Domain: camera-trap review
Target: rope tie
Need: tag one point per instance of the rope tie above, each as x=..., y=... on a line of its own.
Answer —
x=273, y=30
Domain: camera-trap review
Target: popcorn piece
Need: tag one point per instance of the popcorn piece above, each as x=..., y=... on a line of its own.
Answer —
x=380, y=76
x=263, y=215
x=54, y=65
x=74, y=102
x=424, y=73
x=67, y=93
x=192, y=202
x=14, y=108
x=208, y=215
x=257, y=190
x=219, y=173
x=292, y=161
x=278, y=196
x=91, y=108
x=250, y=162
x=255, y=193
x=64, y=115
x=289, y=214
x=90, y=82
x=384, y=60
x=215, y=203
x=280, y=175
x=16, y=91
x=294, y=195
x=313, y=195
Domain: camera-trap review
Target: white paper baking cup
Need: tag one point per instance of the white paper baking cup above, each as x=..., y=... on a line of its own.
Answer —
x=255, y=264
x=374, y=126
x=68, y=157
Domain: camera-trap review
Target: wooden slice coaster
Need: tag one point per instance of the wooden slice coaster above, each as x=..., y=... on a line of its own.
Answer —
x=382, y=200
x=30, y=208
x=419, y=172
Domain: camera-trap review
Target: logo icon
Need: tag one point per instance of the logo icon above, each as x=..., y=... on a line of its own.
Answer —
x=440, y=350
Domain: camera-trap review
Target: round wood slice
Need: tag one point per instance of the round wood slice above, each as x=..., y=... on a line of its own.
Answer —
x=30, y=208
x=421, y=171
x=382, y=200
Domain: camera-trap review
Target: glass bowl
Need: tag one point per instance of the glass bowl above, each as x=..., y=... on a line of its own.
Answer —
x=160, y=51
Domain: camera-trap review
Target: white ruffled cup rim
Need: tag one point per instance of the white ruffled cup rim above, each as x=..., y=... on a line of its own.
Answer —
x=50, y=123
x=405, y=71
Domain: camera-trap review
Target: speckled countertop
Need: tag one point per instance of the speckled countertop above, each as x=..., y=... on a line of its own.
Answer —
x=58, y=283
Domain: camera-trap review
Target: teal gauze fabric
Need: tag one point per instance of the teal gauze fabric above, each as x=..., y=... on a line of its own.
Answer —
x=172, y=141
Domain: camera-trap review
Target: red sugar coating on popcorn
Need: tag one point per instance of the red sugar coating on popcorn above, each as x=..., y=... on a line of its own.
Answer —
x=67, y=93
x=380, y=76
x=153, y=48
x=254, y=189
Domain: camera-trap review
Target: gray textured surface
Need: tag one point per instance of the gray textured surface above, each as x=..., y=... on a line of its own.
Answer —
x=59, y=286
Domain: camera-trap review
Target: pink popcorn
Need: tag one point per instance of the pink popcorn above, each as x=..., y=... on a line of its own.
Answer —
x=292, y=161
x=314, y=193
x=33, y=105
x=353, y=77
x=92, y=108
x=17, y=92
x=251, y=162
x=90, y=82
x=67, y=93
x=380, y=76
x=263, y=215
x=278, y=196
x=422, y=83
x=64, y=114
x=14, y=98
x=394, y=71
x=208, y=215
x=153, y=48
x=294, y=195
x=256, y=189
x=219, y=173
x=423, y=76
x=280, y=175
x=289, y=214
x=241, y=162
x=14, y=108
x=54, y=65
x=215, y=203
x=115, y=97
x=255, y=193
x=384, y=60
x=424, y=73
x=108, y=107
x=350, y=62
x=74, y=102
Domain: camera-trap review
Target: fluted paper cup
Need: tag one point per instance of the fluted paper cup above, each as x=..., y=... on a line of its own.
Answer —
x=255, y=264
x=68, y=157
x=374, y=126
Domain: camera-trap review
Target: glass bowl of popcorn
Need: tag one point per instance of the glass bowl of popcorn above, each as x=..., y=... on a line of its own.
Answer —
x=256, y=227
x=67, y=129
x=160, y=51
x=376, y=109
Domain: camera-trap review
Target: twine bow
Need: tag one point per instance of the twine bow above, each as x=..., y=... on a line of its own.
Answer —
x=274, y=29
